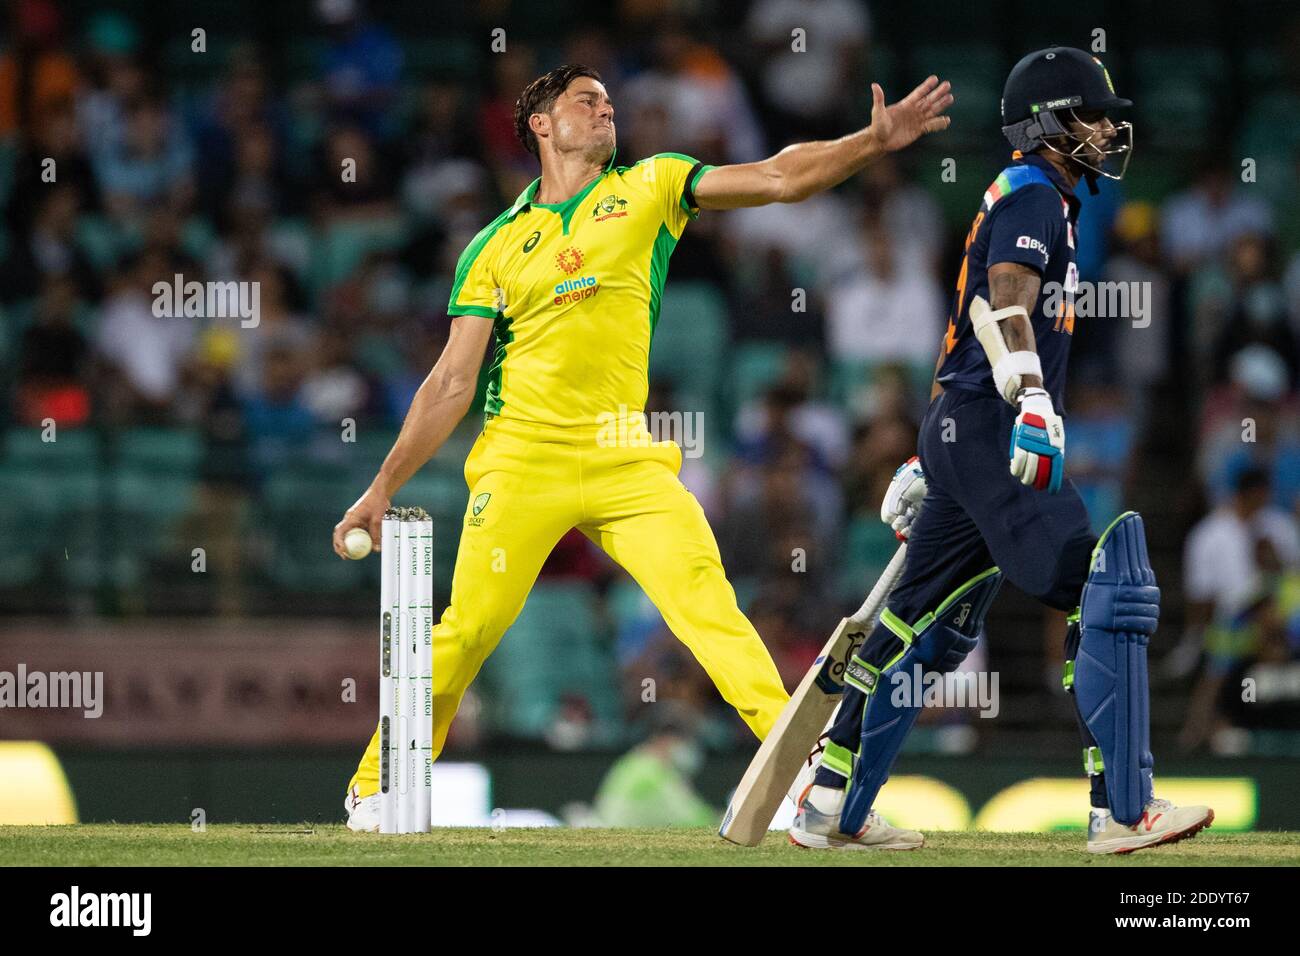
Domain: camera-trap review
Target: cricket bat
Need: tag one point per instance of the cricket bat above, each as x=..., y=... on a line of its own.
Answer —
x=781, y=754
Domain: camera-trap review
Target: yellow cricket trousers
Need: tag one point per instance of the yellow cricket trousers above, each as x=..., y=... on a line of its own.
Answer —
x=529, y=485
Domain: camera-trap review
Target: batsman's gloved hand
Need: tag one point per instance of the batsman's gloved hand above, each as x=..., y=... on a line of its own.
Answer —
x=904, y=498
x=1038, y=442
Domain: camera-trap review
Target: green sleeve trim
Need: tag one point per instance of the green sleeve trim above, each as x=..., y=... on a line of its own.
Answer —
x=466, y=262
x=698, y=169
x=689, y=160
x=472, y=310
x=1067, y=676
x=688, y=202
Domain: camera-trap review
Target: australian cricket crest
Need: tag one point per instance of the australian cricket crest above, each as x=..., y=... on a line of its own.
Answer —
x=611, y=207
x=476, y=509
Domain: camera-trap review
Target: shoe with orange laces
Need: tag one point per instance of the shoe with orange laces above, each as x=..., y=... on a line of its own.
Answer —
x=1161, y=822
x=817, y=826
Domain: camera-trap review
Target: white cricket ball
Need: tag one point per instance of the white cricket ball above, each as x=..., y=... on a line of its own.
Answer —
x=357, y=543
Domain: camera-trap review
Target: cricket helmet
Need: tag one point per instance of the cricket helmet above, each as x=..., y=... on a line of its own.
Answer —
x=1045, y=90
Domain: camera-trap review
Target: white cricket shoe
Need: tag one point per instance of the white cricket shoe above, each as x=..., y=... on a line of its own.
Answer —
x=1161, y=822
x=363, y=812
x=817, y=826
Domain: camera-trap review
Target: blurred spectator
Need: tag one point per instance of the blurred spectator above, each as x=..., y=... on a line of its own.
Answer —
x=146, y=351
x=50, y=249
x=880, y=445
x=1254, y=310
x=792, y=413
x=115, y=79
x=1200, y=222
x=805, y=86
x=438, y=149
x=1103, y=437
x=220, y=518
x=766, y=308
x=1142, y=345
x=53, y=360
x=651, y=785
x=254, y=180
x=513, y=166
x=816, y=236
x=150, y=166
x=782, y=519
x=361, y=66
x=332, y=388
x=36, y=75
x=905, y=212
x=704, y=105
x=890, y=311
x=1252, y=423
x=368, y=190
x=1226, y=587
x=279, y=327
x=238, y=138
x=279, y=424
x=57, y=138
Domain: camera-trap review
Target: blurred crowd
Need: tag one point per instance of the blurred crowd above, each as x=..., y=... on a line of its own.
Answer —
x=346, y=189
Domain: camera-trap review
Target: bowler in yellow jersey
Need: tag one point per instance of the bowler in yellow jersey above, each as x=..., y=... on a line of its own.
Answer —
x=567, y=283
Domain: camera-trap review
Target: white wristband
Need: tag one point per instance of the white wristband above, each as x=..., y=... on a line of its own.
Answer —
x=1010, y=369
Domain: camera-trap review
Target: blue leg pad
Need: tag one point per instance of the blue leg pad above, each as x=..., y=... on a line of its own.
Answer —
x=938, y=642
x=1117, y=616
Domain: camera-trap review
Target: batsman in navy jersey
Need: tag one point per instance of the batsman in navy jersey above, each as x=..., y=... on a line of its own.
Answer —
x=987, y=497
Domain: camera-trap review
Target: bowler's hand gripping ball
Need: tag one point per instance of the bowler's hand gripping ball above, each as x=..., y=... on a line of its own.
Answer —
x=357, y=543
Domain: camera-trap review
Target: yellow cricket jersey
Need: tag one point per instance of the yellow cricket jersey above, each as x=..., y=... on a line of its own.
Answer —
x=574, y=290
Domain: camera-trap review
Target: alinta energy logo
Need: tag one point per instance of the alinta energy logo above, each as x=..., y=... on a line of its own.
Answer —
x=569, y=261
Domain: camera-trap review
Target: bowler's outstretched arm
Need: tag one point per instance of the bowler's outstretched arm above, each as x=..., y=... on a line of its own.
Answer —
x=803, y=169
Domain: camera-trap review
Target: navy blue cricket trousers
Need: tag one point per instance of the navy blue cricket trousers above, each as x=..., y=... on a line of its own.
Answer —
x=976, y=515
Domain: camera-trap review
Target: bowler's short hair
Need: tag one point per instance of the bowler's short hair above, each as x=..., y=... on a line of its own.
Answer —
x=539, y=96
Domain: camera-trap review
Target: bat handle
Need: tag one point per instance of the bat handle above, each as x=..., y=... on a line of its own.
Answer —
x=871, y=606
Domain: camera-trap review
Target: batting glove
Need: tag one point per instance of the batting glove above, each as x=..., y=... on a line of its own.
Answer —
x=1038, y=442
x=903, y=500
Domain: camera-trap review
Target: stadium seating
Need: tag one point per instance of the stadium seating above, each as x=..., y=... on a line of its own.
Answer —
x=553, y=650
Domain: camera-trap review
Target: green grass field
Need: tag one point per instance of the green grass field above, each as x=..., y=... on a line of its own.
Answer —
x=309, y=845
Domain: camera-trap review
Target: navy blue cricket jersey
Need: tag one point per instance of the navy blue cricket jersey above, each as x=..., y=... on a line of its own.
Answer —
x=1028, y=216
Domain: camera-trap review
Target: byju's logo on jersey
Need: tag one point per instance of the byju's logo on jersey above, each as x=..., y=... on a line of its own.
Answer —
x=1029, y=242
x=611, y=207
